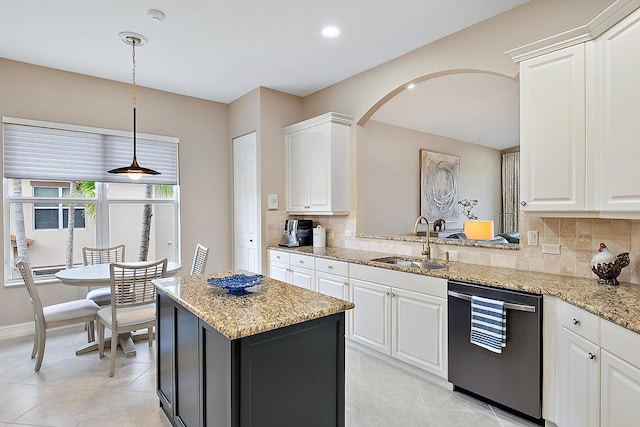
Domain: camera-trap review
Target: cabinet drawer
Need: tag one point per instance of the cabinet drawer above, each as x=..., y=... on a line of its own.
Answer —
x=332, y=266
x=621, y=341
x=583, y=323
x=279, y=256
x=304, y=261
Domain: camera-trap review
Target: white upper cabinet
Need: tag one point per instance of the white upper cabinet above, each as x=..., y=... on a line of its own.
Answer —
x=618, y=53
x=318, y=174
x=578, y=119
x=552, y=131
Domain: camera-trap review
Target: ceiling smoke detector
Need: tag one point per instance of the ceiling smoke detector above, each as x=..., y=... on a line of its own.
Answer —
x=155, y=15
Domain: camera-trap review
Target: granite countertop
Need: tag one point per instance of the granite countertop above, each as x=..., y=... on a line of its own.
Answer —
x=274, y=305
x=619, y=304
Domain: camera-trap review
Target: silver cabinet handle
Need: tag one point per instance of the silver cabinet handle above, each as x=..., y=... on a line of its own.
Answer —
x=507, y=305
x=346, y=283
x=330, y=267
x=387, y=293
x=575, y=322
x=592, y=356
x=523, y=203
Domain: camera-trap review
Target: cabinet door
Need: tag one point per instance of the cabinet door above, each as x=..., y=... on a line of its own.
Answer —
x=370, y=322
x=279, y=271
x=319, y=151
x=552, y=131
x=579, y=384
x=419, y=330
x=332, y=285
x=187, y=357
x=620, y=392
x=165, y=345
x=619, y=66
x=297, y=171
x=302, y=277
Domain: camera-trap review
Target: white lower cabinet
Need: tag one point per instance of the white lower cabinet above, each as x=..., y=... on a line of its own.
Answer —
x=417, y=329
x=371, y=319
x=620, y=392
x=400, y=314
x=598, y=371
x=295, y=269
x=579, y=381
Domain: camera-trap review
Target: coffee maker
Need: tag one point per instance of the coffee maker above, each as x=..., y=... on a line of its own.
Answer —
x=297, y=232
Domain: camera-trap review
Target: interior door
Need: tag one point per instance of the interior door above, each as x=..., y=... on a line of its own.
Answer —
x=245, y=202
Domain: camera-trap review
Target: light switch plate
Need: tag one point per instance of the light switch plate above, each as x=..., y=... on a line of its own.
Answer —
x=532, y=238
x=272, y=201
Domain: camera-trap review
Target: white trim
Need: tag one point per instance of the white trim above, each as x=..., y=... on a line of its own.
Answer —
x=88, y=129
x=17, y=330
x=25, y=329
x=584, y=33
x=324, y=118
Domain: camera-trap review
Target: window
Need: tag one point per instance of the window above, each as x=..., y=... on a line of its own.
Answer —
x=51, y=216
x=42, y=187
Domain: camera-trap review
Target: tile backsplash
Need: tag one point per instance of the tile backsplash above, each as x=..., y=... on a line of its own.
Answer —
x=579, y=239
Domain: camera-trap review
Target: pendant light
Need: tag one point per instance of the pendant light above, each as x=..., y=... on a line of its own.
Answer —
x=134, y=171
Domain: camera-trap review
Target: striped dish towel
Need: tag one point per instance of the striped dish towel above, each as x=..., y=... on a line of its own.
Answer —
x=488, y=324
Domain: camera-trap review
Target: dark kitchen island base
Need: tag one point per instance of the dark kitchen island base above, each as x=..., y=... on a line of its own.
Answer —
x=291, y=376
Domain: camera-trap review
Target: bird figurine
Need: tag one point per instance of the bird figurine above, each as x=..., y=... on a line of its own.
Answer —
x=608, y=266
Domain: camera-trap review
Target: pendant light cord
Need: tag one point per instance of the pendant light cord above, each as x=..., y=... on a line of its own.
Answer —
x=133, y=75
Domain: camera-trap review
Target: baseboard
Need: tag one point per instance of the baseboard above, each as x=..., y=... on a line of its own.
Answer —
x=17, y=330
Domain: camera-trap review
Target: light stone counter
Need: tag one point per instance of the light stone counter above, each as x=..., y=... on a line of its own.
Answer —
x=619, y=304
x=273, y=305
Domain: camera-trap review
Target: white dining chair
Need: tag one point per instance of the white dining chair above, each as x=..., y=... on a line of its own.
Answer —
x=132, y=303
x=199, y=259
x=91, y=256
x=53, y=316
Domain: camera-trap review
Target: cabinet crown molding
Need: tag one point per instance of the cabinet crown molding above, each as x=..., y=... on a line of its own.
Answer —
x=590, y=31
x=324, y=118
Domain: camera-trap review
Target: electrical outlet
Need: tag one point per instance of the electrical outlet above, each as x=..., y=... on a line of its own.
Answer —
x=532, y=238
x=453, y=255
x=551, y=249
x=348, y=233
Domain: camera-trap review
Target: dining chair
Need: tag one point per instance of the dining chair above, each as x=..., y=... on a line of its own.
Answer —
x=91, y=256
x=199, y=259
x=53, y=316
x=132, y=303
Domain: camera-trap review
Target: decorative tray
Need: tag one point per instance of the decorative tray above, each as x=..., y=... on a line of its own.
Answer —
x=237, y=283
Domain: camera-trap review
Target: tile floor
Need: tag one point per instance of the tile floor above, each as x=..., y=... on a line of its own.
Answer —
x=75, y=390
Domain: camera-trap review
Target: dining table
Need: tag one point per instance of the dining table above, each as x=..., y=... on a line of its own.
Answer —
x=98, y=275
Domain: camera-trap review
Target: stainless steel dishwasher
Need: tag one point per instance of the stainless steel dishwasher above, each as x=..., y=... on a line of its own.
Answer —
x=513, y=378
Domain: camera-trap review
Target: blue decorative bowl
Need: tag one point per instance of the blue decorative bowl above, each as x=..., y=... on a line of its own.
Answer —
x=237, y=283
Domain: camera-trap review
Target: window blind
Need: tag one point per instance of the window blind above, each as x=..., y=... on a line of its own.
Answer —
x=49, y=151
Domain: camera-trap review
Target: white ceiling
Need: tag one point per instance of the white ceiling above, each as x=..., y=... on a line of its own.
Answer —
x=221, y=49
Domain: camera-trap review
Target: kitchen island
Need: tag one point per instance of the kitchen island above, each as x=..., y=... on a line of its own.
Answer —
x=272, y=356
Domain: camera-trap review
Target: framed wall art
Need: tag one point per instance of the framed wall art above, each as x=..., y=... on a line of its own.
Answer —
x=439, y=186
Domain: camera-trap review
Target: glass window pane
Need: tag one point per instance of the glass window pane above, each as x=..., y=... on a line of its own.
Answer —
x=126, y=227
x=139, y=191
x=46, y=192
x=46, y=219
x=47, y=247
x=79, y=216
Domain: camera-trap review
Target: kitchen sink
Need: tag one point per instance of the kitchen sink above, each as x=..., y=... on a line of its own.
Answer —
x=411, y=263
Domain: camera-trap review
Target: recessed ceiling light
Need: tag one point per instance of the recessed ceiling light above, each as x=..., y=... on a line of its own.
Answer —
x=330, y=32
x=411, y=86
x=155, y=15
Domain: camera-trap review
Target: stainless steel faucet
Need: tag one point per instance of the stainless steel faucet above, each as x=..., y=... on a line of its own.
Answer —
x=425, y=250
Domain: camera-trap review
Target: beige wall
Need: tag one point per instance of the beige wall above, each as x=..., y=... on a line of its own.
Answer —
x=389, y=177
x=38, y=93
x=480, y=47
x=266, y=112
